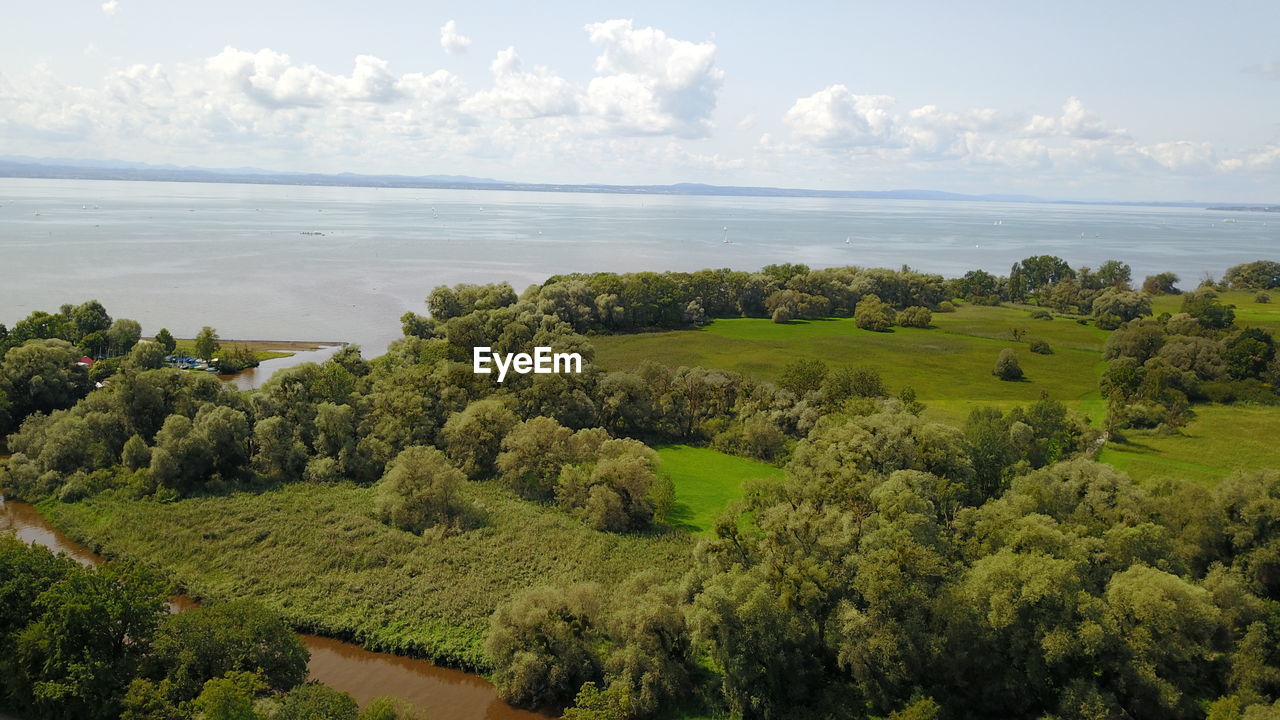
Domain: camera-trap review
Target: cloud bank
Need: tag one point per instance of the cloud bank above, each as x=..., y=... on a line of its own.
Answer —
x=645, y=110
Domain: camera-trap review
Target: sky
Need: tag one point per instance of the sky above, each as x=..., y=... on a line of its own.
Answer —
x=1086, y=100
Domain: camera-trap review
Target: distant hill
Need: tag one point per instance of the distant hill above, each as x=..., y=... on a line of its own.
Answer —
x=66, y=168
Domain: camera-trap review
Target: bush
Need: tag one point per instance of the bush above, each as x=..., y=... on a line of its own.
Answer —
x=873, y=314
x=946, y=306
x=542, y=644
x=782, y=314
x=1040, y=347
x=915, y=316
x=1109, y=322
x=1262, y=298
x=1041, y=314
x=418, y=490
x=1007, y=367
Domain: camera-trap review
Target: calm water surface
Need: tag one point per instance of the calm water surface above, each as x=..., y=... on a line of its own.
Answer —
x=437, y=693
x=321, y=263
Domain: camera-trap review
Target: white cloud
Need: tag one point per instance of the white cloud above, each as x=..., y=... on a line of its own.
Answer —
x=1081, y=122
x=1182, y=156
x=838, y=118
x=651, y=83
x=451, y=40
x=642, y=111
x=111, y=7
x=518, y=94
x=272, y=79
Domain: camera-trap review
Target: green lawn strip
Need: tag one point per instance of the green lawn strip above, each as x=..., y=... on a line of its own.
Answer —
x=1249, y=312
x=706, y=481
x=317, y=555
x=188, y=347
x=951, y=371
x=1221, y=440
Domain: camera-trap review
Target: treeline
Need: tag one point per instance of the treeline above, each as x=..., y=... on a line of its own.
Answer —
x=872, y=583
x=612, y=302
x=40, y=368
x=81, y=643
x=1158, y=367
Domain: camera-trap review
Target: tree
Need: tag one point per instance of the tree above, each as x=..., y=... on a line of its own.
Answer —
x=418, y=490
x=229, y=698
x=236, y=358
x=208, y=642
x=1114, y=274
x=42, y=376
x=88, y=642
x=122, y=336
x=873, y=314
x=1161, y=284
x=1249, y=352
x=313, y=701
x=916, y=316
x=619, y=489
x=280, y=455
x=1258, y=275
x=1203, y=305
x=89, y=318
x=532, y=456
x=383, y=708
x=145, y=356
x=542, y=644
x=166, y=341
x=206, y=344
x=1007, y=367
x=803, y=376
x=473, y=437
x=1124, y=304
x=136, y=454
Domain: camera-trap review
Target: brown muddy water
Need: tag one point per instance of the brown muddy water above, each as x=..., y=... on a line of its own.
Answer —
x=435, y=692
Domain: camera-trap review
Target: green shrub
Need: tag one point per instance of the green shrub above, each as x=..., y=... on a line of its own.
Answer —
x=915, y=316
x=873, y=314
x=1007, y=367
x=1108, y=322
x=1040, y=347
x=418, y=490
x=946, y=306
x=1041, y=314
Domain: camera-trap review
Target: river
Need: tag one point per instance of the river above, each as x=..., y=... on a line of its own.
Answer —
x=435, y=692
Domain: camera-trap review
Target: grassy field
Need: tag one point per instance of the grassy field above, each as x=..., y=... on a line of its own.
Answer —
x=1219, y=441
x=317, y=555
x=1249, y=312
x=949, y=364
x=706, y=481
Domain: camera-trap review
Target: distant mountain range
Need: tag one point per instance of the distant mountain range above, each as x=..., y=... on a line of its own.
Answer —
x=67, y=168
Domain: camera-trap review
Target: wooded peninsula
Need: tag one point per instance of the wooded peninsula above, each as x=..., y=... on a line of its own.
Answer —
x=792, y=493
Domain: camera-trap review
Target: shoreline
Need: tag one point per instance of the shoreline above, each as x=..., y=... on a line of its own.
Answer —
x=290, y=345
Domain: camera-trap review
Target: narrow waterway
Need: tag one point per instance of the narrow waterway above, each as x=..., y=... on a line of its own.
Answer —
x=435, y=692
x=254, y=377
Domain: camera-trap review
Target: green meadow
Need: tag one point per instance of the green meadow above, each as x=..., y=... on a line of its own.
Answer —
x=706, y=481
x=949, y=364
x=1221, y=440
x=1249, y=312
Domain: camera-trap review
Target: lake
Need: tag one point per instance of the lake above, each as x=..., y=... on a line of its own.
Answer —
x=336, y=263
